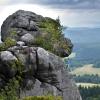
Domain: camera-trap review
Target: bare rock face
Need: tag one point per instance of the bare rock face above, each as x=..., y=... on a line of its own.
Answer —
x=22, y=22
x=41, y=71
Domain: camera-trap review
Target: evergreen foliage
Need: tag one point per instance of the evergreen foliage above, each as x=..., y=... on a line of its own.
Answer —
x=52, y=38
x=90, y=93
x=87, y=78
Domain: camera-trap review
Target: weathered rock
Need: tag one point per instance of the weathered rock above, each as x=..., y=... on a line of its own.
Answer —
x=46, y=67
x=7, y=56
x=7, y=70
x=25, y=26
x=42, y=72
x=53, y=72
x=21, y=22
x=47, y=70
x=40, y=89
x=20, y=43
x=27, y=38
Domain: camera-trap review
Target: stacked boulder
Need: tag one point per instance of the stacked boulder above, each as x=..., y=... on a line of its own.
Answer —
x=42, y=72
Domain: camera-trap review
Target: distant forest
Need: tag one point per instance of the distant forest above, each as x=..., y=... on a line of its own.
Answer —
x=90, y=93
x=75, y=63
x=87, y=79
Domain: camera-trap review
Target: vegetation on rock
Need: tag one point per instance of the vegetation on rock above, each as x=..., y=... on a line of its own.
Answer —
x=20, y=77
x=10, y=91
x=52, y=38
x=49, y=97
x=8, y=43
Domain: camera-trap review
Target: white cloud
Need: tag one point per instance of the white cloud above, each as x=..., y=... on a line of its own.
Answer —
x=3, y=2
x=8, y=10
x=72, y=18
x=41, y=10
x=81, y=18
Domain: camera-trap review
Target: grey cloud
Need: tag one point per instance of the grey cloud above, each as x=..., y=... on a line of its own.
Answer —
x=71, y=4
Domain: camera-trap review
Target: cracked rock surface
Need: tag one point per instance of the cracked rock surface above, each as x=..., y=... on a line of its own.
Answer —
x=43, y=72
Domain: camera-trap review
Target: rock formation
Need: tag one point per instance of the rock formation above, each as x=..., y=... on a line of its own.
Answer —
x=41, y=71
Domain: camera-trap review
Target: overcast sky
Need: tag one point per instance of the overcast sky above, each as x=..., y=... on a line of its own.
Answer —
x=73, y=13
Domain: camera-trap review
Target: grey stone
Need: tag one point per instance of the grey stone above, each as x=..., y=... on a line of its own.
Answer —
x=12, y=48
x=20, y=43
x=24, y=22
x=7, y=70
x=53, y=72
x=21, y=22
x=27, y=38
x=42, y=72
x=40, y=89
x=7, y=56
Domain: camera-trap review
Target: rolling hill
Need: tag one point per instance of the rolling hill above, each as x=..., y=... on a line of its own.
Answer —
x=86, y=46
x=86, y=69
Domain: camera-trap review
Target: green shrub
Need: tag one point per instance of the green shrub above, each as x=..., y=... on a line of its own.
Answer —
x=49, y=97
x=9, y=92
x=51, y=33
x=16, y=64
x=52, y=38
x=8, y=43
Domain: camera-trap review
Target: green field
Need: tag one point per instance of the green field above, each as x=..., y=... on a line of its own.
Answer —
x=86, y=69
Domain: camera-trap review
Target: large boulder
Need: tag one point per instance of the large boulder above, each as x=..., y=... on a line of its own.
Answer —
x=43, y=73
x=27, y=27
x=38, y=71
x=21, y=22
x=7, y=56
x=27, y=38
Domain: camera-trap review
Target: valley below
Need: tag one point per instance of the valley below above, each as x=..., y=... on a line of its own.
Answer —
x=85, y=64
